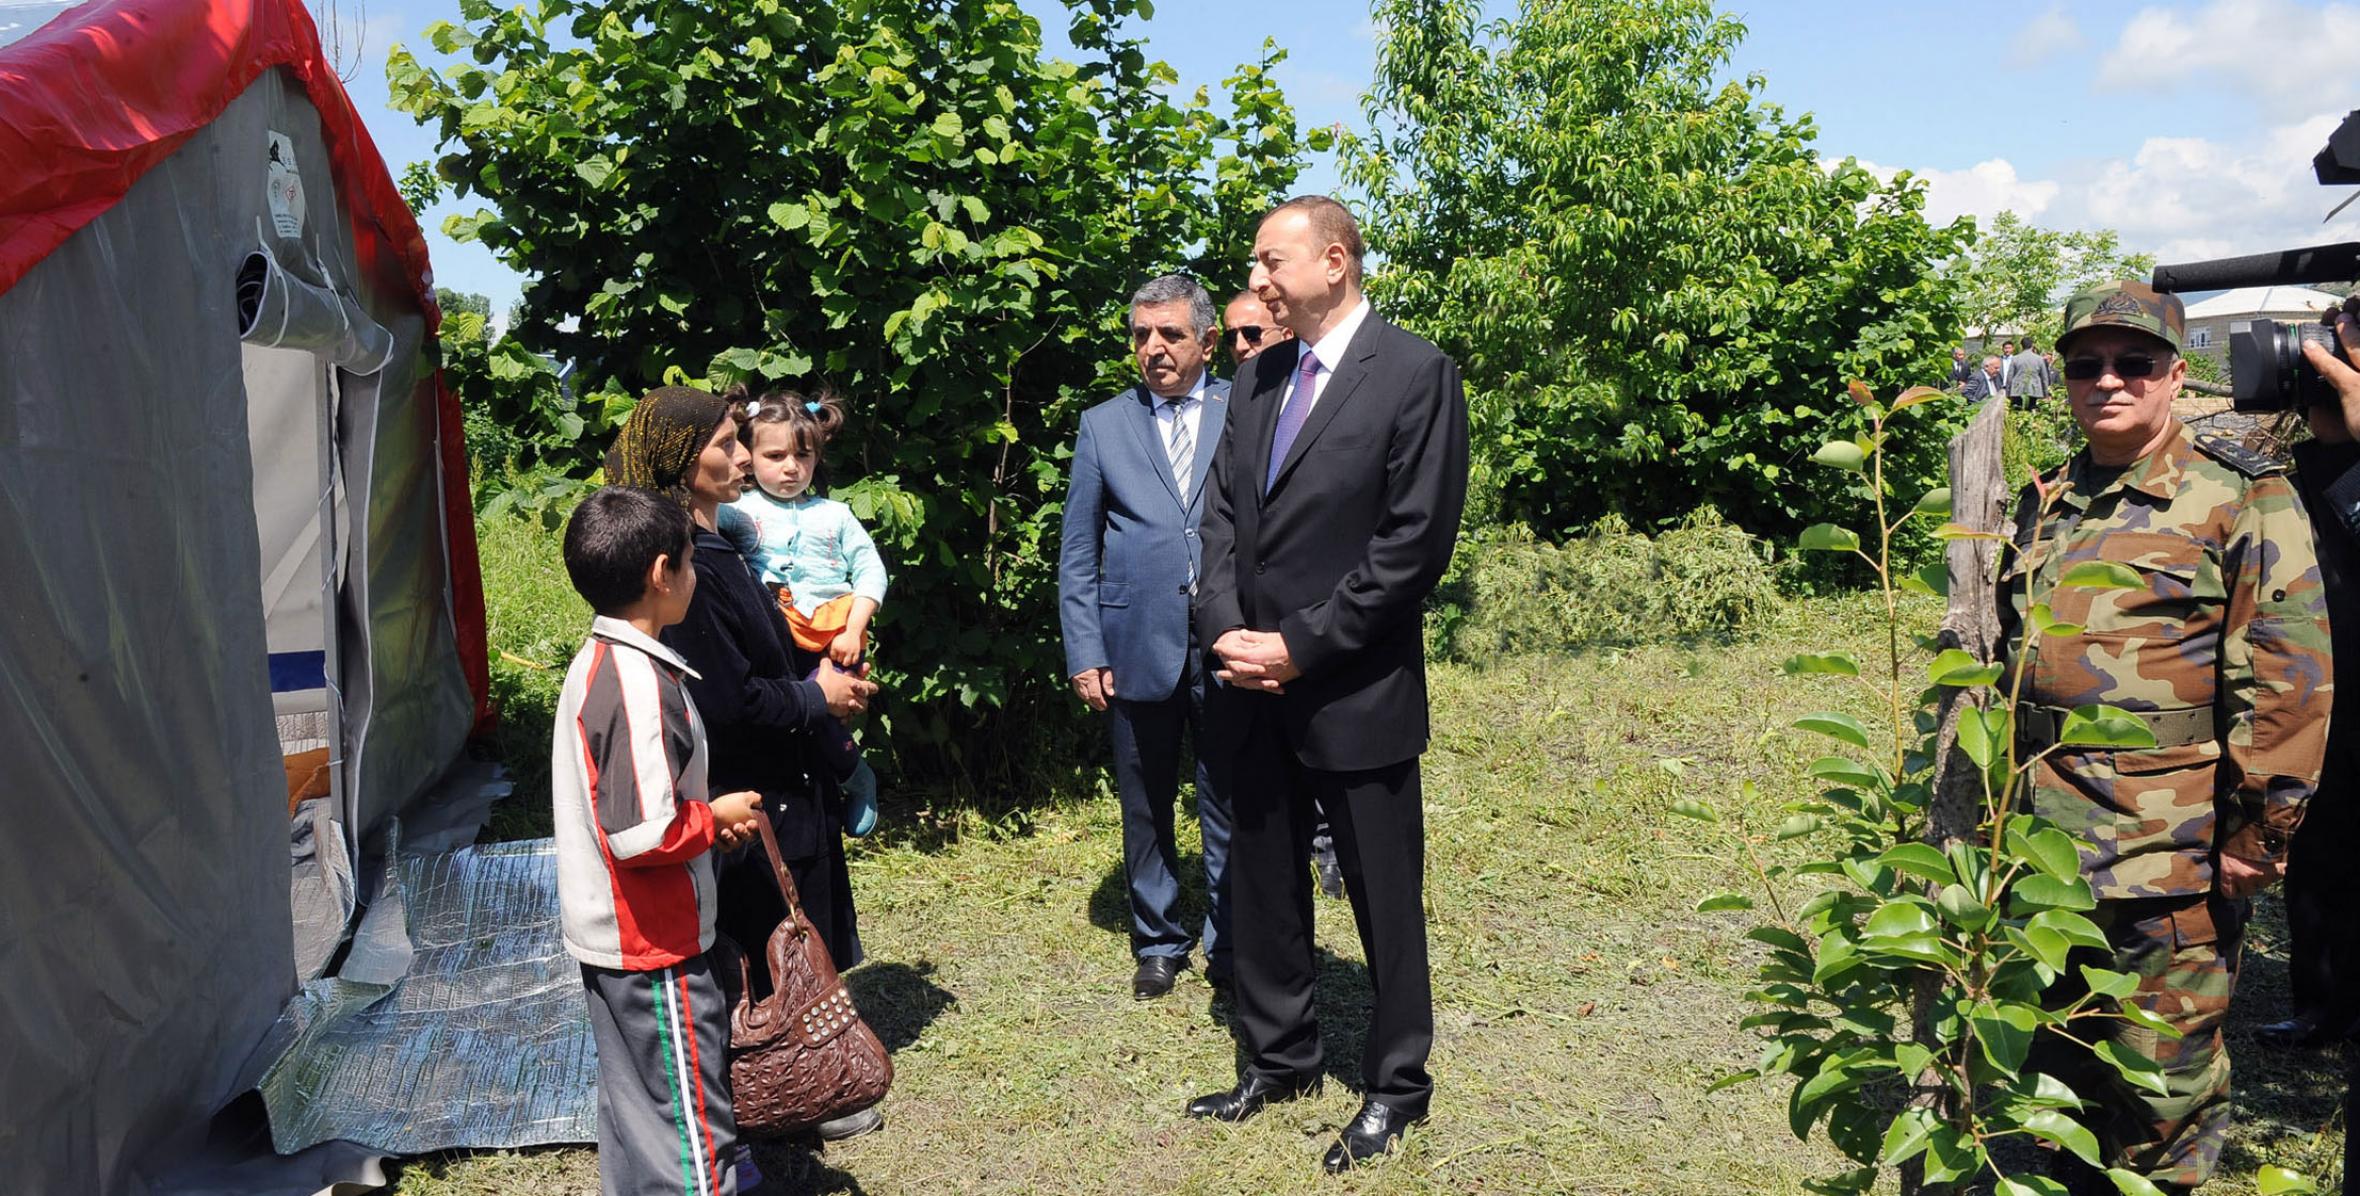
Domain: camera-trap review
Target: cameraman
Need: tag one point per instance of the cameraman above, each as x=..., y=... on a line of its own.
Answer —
x=2322, y=890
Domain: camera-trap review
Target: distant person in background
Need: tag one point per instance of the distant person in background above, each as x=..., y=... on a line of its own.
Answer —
x=1961, y=368
x=2029, y=377
x=1127, y=564
x=2007, y=364
x=1983, y=383
x=1248, y=328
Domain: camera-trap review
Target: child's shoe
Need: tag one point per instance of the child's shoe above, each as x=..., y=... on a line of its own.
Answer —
x=749, y=1176
x=860, y=801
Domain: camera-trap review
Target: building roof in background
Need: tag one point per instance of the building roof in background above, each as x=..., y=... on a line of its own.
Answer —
x=2255, y=301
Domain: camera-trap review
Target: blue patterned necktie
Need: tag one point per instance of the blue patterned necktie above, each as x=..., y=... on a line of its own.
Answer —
x=1291, y=417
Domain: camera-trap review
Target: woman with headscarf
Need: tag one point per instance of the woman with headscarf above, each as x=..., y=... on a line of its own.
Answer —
x=760, y=713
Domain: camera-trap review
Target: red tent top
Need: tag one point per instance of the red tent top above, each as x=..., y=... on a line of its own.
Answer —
x=166, y=69
x=169, y=67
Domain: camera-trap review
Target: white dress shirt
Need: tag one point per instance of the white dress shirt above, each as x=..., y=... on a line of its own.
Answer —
x=1189, y=410
x=1329, y=349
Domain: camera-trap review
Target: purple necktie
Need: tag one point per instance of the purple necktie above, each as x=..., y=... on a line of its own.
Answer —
x=1291, y=417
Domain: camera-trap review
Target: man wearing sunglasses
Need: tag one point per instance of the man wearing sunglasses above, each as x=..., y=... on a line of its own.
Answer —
x=2220, y=650
x=1248, y=328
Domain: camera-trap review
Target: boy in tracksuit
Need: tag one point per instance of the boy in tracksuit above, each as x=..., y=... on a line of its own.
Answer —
x=635, y=837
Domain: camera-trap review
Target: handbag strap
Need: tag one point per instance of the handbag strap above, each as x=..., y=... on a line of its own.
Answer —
x=778, y=868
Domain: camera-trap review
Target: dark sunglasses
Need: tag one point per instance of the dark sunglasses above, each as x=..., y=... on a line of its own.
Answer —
x=2129, y=365
x=1252, y=333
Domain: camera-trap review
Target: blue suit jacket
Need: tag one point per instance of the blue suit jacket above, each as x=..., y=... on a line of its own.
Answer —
x=1129, y=543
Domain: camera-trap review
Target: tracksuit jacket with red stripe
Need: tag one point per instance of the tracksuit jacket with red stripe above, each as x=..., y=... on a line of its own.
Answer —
x=634, y=827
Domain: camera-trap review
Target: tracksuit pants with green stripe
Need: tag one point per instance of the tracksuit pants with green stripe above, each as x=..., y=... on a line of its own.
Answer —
x=664, y=1124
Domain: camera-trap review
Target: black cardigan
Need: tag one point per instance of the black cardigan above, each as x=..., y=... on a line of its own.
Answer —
x=751, y=692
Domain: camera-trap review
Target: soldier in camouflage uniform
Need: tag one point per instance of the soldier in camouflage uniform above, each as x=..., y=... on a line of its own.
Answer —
x=2223, y=652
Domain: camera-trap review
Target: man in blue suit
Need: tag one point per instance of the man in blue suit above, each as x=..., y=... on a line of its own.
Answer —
x=1126, y=569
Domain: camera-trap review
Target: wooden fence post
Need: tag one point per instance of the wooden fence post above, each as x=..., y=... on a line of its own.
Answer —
x=1978, y=502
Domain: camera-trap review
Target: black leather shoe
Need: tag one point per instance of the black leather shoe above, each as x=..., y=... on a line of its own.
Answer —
x=1155, y=975
x=1250, y=1095
x=1331, y=875
x=2297, y=1033
x=1371, y=1132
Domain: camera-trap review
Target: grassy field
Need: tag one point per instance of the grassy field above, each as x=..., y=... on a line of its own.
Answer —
x=1581, y=1007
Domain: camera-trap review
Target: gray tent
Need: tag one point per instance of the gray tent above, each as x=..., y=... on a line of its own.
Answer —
x=235, y=528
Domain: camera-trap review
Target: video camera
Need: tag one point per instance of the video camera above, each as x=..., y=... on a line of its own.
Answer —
x=2267, y=371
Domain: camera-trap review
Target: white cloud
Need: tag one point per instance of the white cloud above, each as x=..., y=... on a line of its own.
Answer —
x=2044, y=37
x=2186, y=197
x=2181, y=198
x=1983, y=190
x=2289, y=58
x=2289, y=62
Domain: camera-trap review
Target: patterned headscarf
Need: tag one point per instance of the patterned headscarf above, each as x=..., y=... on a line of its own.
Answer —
x=660, y=442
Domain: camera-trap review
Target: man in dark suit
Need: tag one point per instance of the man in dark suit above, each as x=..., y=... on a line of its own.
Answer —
x=1983, y=383
x=1247, y=328
x=1331, y=513
x=1127, y=559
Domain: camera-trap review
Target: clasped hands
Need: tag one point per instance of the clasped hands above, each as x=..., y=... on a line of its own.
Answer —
x=846, y=690
x=1255, y=660
x=1250, y=660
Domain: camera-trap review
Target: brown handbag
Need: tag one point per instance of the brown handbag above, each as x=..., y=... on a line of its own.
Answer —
x=801, y=1055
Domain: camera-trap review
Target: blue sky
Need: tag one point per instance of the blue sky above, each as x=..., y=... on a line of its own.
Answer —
x=2187, y=126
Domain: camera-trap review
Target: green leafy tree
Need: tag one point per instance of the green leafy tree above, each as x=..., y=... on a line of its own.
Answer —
x=1651, y=279
x=530, y=438
x=2016, y=275
x=906, y=199
x=460, y=303
x=419, y=188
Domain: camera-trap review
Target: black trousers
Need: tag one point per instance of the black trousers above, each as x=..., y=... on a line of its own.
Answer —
x=2323, y=901
x=1380, y=835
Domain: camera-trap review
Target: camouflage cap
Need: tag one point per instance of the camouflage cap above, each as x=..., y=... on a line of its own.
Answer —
x=2132, y=305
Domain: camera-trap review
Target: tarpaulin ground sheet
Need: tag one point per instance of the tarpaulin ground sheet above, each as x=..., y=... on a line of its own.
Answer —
x=482, y=1042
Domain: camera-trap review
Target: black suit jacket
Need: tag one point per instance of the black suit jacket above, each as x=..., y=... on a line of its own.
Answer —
x=1339, y=556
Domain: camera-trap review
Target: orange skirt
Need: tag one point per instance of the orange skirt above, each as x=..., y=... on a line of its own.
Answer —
x=816, y=632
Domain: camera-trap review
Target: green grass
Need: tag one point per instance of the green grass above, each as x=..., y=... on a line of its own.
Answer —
x=1581, y=1006
x=535, y=621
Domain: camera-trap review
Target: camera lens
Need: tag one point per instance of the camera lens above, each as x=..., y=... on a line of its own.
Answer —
x=2267, y=371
